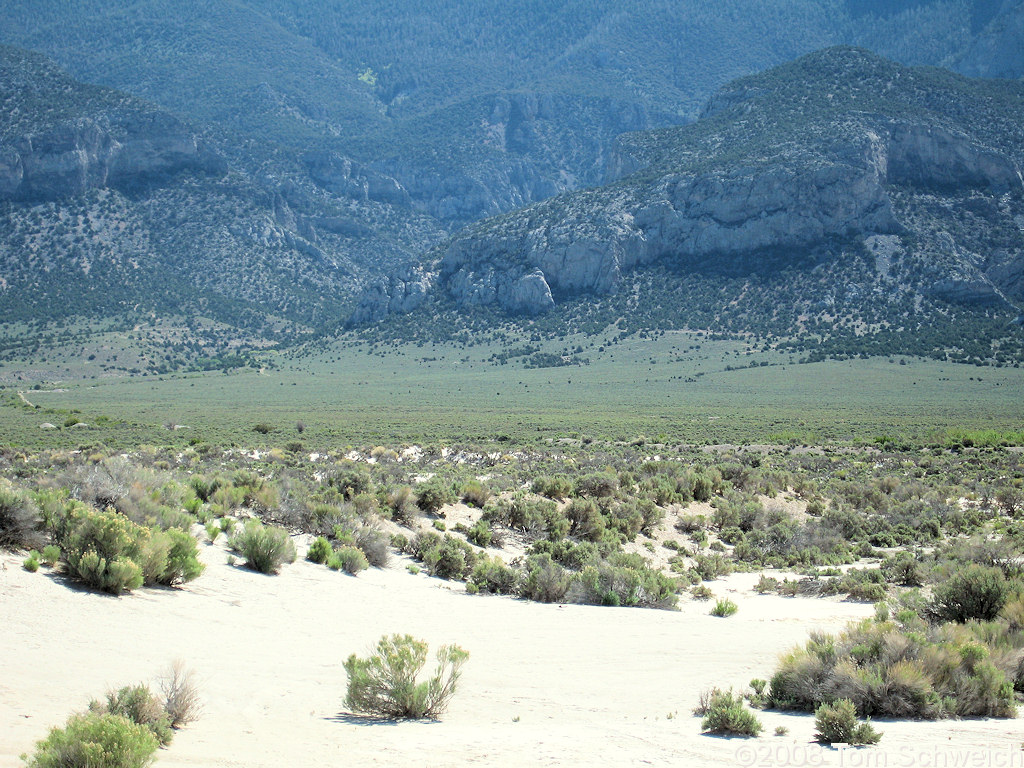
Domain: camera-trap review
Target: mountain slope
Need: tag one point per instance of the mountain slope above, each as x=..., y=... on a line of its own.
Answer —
x=841, y=190
x=476, y=106
x=110, y=206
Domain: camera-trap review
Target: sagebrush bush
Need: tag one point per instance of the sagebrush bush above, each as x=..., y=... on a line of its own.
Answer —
x=724, y=608
x=975, y=592
x=265, y=548
x=837, y=723
x=475, y=493
x=624, y=580
x=319, y=550
x=725, y=713
x=352, y=559
x=138, y=704
x=93, y=739
x=386, y=683
x=180, y=695
x=20, y=520
x=909, y=669
x=544, y=580
x=434, y=493
x=493, y=576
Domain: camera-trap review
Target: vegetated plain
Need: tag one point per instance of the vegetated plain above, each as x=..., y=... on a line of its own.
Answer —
x=675, y=387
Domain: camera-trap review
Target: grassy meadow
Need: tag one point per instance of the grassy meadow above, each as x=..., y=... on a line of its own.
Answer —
x=679, y=387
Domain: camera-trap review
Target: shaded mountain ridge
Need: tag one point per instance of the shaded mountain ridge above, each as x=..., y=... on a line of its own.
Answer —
x=836, y=152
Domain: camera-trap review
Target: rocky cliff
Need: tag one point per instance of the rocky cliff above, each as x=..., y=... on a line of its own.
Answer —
x=781, y=169
x=87, y=153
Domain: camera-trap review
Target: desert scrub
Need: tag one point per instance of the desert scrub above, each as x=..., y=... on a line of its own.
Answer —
x=837, y=724
x=108, y=551
x=905, y=668
x=975, y=592
x=724, y=608
x=20, y=521
x=180, y=695
x=138, y=704
x=265, y=548
x=386, y=684
x=319, y=550
x=349, y=559
x=94, y=739
x=725, y=714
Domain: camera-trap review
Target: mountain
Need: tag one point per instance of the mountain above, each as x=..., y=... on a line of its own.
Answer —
x=113, y=207
x=250, y=166
x=838, y=196
x=476, y=106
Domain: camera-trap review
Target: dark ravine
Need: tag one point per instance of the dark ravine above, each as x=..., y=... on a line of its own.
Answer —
x=807, y=182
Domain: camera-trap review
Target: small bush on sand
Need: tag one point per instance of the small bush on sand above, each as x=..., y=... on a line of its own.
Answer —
x=544, y=580
x=434, y=494
x=386, y=683
x=725, y=714
x=265, y=548
x=138, y=704
x=94, y=739
x=724, y=608
x=475, y=493
x=319, y=550
x=352, y=559
x=180, y=694
x=837, y=723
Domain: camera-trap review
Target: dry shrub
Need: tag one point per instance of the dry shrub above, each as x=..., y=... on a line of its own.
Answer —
x=181, y=695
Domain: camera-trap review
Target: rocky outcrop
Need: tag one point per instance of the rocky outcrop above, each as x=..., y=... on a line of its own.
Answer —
x=931, y=156
x=399, y=293
x=344, y=176
x=530, y=147
x=88, y=153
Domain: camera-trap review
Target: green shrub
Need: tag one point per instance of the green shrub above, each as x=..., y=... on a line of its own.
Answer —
x=725, y=714
x=475, y=493
x=557, y=487
x=624, y=580
x=493, y=576
x=385, y=684
x=352, y=559
x=20, y=521
x=724, y=608
x=975, y=592
x=837, y=723
x=446, y=557
x=597, y=485
x=402, y=503
x=434, y=494
x=319, y=550
x=50, y=555
x=709, y=567
x=265, y=548
x=213, y=531
x=544, y=581
x=31, y=563
x=138, y=704
x=94, y=739
x=480, y=534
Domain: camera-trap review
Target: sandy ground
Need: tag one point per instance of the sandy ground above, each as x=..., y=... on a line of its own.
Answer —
x=545, y=684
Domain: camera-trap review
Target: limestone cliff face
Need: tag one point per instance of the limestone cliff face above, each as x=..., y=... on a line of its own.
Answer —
x=709, y=220
x=118, y=151
x=529, y=147
x=781, y=165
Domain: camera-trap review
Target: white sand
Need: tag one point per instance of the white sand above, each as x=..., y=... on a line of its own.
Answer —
x=545, y=684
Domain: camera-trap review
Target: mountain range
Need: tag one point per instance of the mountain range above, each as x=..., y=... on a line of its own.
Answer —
x=253, y=167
